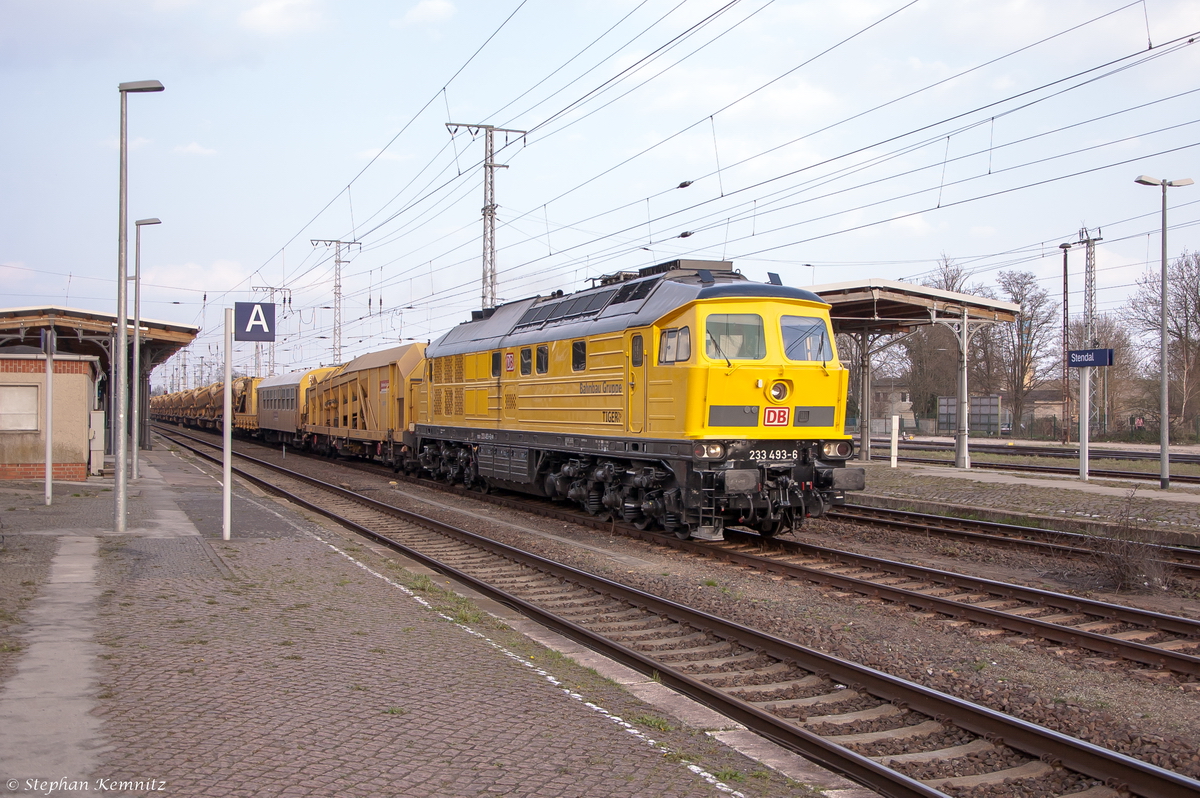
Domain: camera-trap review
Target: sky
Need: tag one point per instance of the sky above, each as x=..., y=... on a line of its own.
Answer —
x=823, y=141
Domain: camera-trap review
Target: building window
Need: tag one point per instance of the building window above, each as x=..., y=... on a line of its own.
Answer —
x=579, y=355
x=636, y=354
x=543, y=359
x=526, y=361
x=18, y=408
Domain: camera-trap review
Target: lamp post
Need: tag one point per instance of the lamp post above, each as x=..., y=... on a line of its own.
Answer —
x=1164, y=479
x=135, y=416
x=120, y=386
x=1066, y=375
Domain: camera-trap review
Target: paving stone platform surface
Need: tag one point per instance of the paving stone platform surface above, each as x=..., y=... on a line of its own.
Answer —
x=277, y=664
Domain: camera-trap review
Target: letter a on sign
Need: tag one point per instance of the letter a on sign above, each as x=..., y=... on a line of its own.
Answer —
x=254, y=321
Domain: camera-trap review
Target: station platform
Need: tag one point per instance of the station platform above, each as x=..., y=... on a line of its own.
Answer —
x=298, y=660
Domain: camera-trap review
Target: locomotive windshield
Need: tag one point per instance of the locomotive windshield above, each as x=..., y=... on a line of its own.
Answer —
x=735, y=336
x=805, y=338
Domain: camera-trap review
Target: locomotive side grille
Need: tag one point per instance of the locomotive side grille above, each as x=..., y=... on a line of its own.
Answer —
x=448, y=406
x=458, y=399
x=510, y=401
x=458, y=369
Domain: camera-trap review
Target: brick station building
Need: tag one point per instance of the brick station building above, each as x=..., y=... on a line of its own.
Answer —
x=23, y=414
x=82, y=397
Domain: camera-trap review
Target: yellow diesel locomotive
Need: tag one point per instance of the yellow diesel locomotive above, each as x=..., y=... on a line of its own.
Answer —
x=682, y=395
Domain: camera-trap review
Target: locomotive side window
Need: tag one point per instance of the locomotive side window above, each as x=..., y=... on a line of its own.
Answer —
x=579, y=355
x=805, y=338
x=675, y=346
x=735, y=336
x=543, y=359
x=526, y=361
x=636, y=354
x=495, y=364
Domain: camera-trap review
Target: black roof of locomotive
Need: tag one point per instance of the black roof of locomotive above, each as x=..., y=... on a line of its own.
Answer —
x=607, y=307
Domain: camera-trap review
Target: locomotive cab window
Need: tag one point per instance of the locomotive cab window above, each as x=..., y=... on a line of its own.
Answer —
x=675, y=346
x=526, y=361
x=735, y=336
x=636, y=351
x=806, y=338
x=543, y=359
x=579, y=355
x=495, y=364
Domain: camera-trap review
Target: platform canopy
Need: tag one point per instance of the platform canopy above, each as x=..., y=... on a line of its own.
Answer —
x=89, y=332
x=878, y=313
x=884, y=307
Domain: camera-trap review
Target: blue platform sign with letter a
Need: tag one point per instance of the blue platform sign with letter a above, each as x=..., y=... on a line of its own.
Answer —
x=1080, y=358
x=254, y=321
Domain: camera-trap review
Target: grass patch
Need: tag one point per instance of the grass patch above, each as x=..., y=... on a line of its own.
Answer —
x=710, y=583
x=395, y=711
x=729, y=774
x=291, y=656
x=652, y=722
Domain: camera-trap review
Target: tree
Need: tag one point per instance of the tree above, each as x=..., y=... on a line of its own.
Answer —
x=932, y=352
x=1117, y=385
x=1027, y=346
x=1183, y=329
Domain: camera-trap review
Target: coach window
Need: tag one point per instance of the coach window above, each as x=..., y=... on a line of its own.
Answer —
x=495, y=364
x=735, y=336
x=543, y=359
x=526, y=361
x=579, y=355
x=675, y=346
x=635, y=353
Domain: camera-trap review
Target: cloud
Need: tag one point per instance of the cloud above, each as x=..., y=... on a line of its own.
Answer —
x=194, y=149
x=427, y=12
x=281, y=17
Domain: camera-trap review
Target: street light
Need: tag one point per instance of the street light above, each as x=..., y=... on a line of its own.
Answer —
x=137, y=342
x=1164, y=479
x=119, y=352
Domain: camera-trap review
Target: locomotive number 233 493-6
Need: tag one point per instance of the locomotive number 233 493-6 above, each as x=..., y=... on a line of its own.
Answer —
x=773, y=454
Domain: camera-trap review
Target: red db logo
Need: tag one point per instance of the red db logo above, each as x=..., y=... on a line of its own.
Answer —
x=776, y=416
x=509, y=361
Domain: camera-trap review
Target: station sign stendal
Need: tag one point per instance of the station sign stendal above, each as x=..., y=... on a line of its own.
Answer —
x=1083, y=358
x=254, y=321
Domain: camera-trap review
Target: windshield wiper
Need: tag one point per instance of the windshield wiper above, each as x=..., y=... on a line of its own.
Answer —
x=728, y=362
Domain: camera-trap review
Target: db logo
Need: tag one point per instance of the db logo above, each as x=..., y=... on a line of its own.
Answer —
x=776, y=416
x=509, y=361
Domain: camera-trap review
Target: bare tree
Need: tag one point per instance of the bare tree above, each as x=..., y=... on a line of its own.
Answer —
x=1120, y=390
x=932, y=352
x=1183, y=330
x=1029, y=345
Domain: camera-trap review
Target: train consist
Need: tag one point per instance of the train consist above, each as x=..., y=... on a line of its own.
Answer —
x=682, y=395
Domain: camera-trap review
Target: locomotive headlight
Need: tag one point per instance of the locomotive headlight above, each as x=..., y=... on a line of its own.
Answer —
x=709, y=451
x=779, y=391
x=837, y=449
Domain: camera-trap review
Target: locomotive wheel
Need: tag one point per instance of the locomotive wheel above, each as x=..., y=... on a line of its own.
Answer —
x=482, y=486
x=643, y=522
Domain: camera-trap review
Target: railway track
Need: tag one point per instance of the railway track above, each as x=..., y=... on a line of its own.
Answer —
x=1185, y=479
x=891, y=735
x=1165, y=642
x=1062, y=452
x=1184, y=561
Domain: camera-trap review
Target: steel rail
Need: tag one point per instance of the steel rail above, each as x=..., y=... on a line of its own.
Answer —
x=1114, y=647
x=1115, y=769
x=1011, y=536
x=1044, y=469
